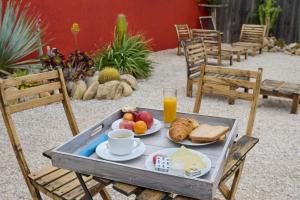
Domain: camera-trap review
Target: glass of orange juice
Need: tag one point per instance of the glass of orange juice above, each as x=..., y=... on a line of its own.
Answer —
x=170, y=103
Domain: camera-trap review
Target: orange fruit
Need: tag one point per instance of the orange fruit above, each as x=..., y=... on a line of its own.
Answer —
x=128, y=116
x=140, y=127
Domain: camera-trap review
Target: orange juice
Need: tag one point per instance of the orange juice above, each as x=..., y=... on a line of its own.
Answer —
x=169, y=109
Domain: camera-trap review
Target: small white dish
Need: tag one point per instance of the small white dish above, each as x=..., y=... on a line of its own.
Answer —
x=169, y=151
x=156, y=126
x=103, y=152
x=188, y=142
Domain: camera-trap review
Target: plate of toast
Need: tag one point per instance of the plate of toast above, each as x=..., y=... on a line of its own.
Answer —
x=189, y=132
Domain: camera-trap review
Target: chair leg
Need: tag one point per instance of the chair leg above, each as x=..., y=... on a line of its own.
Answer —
x=246, y=55
x=231, y=101
x=104, y=194
x=231, y=60
x=254, y=51
x=179, y=50
x=189, y=88
x=229, y=194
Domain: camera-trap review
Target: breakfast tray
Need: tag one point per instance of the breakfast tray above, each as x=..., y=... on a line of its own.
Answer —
x=134, y=171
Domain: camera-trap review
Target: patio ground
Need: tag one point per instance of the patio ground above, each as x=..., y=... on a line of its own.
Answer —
x=271, y=170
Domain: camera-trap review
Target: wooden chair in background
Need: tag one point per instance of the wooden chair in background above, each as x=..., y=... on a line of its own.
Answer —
x=217, y=85
x=54, y=182
x=252, y=37
x=212, y=41
x=183, y=33
x=207, y=22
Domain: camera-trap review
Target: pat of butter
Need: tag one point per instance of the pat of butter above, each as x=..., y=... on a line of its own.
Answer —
x=190, y=159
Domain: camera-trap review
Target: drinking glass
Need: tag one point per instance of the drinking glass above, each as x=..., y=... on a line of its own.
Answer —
x=170, y=103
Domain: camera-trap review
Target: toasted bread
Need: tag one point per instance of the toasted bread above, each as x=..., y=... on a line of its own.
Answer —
x=208, y=133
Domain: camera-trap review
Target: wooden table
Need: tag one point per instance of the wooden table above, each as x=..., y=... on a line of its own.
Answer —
x=282, y=89
x=134, y=171
x=236, y=50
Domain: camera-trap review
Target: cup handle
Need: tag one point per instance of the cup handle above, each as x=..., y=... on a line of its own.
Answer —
x=137, y=142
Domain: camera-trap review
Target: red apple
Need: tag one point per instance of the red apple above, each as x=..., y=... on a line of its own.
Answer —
x=125, y=124
x=146, y=117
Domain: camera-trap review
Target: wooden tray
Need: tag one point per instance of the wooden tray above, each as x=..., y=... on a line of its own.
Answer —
x=134, y=172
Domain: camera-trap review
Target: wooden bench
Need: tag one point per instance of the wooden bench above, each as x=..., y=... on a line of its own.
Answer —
x=282, y=89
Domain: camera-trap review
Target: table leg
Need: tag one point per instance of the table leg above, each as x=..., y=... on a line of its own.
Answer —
x=83, y=185
x=238, y=57
x=294, y=109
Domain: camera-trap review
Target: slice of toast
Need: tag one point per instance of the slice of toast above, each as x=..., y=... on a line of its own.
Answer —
x=208, y=133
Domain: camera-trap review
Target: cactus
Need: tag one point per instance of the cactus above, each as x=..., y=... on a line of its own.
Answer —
x=268, y=14
x=108, y=74
x=121, y=29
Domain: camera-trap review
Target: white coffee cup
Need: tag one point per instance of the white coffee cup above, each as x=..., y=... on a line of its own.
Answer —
x=122, y=142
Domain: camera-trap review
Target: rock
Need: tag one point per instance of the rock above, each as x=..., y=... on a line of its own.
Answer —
x=127, y=90
x=69, y=86
x=91, y=91
x=292, y=45
x=131, y=80
x=56, y=91
x=44, y=94
x=10, y=91
x=110, y=90
x=78, y=90
x=89, y=80
x=297, y=52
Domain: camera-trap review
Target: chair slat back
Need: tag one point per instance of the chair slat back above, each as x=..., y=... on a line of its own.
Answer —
x=195, y=56
x=37, y=85
x=211, y=39
x=183, y=32
x=207, y=22
x=253, y=33
x=220, y=80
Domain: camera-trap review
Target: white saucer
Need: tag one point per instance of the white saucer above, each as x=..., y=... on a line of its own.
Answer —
x=103, y=152
x=156, y=126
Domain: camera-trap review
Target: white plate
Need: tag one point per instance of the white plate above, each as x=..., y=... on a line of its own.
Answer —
x=168, y=152
x=188, y=142
x=156, y=126
x=103, y=152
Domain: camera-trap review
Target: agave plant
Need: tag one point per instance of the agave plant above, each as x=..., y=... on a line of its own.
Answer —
x=18, y=37
x=127, y=54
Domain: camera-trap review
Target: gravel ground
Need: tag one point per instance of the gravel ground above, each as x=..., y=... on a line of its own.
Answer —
x=272, y=168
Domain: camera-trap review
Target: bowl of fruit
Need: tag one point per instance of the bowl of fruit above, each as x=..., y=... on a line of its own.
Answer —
x=140, y=122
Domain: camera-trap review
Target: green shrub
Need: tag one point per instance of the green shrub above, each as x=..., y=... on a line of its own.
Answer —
x=280, y=43
x=18, y=37
x=127, y=54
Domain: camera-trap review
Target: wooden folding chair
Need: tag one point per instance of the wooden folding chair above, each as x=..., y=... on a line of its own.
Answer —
x=183, y=33
x=252, y=37
x=212, y=84
x=212, y=41
x=54, y=182
x=195, y=54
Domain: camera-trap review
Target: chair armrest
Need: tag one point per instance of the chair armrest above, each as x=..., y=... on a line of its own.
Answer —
x=239, y=151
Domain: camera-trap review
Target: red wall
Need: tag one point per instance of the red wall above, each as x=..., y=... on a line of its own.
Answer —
x=155, y=18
